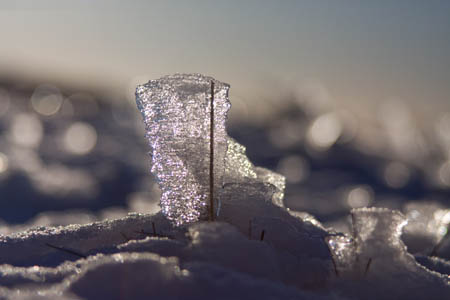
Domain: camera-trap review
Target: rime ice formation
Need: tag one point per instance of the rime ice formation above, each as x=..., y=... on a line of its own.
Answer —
x=176, y=111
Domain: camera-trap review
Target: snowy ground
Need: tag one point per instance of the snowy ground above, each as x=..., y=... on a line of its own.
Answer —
x=70, y=158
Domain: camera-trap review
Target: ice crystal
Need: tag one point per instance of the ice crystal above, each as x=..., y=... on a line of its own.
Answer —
x=176, y=111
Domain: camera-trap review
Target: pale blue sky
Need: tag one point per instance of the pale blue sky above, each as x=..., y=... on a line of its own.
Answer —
x=362, y=51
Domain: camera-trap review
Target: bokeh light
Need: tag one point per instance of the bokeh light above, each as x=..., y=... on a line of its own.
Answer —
x=396, y=175
x=295, y=168
x=360, y=196
x=4, y=101
x=143, y=202
x=444, y=173
x=59, y=180
x=67, y=109
x=26, y=130
x=4, y=163
x=84, y=104
x=80, y=138
x=349, y=126
x=46, y=100
x=324, y=131
x=442, y=218
x=314, y=97
x=442, y=127
x=286, y=133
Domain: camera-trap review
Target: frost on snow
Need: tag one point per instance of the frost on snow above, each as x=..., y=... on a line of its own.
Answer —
x=176, y=111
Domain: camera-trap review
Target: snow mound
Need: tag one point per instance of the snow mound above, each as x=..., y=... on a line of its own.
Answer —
x=145, y=275
x=203, y=260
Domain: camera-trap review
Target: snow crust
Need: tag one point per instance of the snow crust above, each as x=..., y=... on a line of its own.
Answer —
x=218, y=260
x=205, y=248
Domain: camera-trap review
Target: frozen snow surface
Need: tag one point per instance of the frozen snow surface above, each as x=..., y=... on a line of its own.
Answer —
x=256, y=248
x=126, y=259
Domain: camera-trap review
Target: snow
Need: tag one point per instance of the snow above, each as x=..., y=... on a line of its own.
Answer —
x=256, y=248
x=30, y=247
x=205, y=260
x=160, y=266
x=217, y=260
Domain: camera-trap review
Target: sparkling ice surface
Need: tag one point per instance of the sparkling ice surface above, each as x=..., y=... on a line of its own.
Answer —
x=176, y=111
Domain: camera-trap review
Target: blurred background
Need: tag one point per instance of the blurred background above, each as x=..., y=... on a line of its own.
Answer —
x=350, y=101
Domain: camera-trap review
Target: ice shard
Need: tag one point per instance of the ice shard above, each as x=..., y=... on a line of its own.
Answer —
x=177, y=113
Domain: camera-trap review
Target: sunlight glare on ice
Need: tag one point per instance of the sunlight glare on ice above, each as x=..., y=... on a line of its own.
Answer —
x=324, y=131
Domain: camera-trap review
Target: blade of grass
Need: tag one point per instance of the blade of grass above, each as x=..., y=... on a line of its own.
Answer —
x=66, y=250
x=211, y=156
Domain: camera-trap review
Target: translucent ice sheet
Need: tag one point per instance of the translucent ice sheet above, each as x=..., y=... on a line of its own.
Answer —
x=177, y=113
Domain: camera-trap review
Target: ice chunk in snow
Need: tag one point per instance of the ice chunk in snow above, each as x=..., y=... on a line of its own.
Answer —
x=375, y=249
x=176, y=111
x=377, y=258
x=376, y=236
